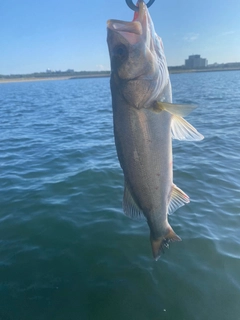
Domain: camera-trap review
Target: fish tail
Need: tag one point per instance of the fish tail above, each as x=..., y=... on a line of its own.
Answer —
x=159, y=244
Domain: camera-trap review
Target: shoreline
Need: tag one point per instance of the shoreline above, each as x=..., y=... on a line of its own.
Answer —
x=202, y=70
x=12, y=80
x=34, y=79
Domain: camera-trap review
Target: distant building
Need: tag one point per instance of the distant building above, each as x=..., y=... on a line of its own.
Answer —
x=195, y=61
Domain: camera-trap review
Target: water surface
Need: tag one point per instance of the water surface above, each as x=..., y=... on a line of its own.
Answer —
x=68, y=252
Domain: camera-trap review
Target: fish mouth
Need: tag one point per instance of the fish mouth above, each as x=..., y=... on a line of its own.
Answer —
x=131, y=31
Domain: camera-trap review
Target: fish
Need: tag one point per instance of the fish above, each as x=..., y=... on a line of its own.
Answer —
x=145, y=121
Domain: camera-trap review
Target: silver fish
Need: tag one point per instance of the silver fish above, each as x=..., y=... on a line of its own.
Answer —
x=145, y=121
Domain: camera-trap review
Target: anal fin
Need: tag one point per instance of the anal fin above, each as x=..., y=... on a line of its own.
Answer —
x=178, y=199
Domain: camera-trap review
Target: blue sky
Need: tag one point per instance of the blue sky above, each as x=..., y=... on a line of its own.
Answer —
x=61, y=34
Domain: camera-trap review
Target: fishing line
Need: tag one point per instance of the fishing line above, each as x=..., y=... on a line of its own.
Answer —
x=135, y=8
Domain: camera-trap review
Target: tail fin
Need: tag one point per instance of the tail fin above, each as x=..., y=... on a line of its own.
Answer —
x=159, y=244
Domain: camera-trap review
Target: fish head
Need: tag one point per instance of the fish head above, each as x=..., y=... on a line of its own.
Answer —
x=138, y=63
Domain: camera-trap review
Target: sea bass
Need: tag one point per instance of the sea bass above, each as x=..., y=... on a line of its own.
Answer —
x=145, y=121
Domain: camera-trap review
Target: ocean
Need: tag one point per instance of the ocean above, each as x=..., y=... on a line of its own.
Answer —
x=68, y=252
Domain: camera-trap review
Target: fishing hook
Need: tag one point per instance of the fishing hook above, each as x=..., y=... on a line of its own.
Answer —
x=135, y=8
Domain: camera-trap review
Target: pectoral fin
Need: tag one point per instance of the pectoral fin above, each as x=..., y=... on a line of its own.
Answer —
x=180, y=128
x=181, y=110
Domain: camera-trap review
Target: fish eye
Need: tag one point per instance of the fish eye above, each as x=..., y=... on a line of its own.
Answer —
x=120, y=51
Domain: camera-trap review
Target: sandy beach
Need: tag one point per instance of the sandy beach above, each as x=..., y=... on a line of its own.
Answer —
x=32, y=79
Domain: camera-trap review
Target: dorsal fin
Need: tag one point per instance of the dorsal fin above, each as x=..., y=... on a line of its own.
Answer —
x=130, y=208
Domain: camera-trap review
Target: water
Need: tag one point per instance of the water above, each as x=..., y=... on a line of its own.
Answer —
x=68, y=252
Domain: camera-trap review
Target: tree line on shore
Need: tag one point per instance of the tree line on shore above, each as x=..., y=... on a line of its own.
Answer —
x=80, y=74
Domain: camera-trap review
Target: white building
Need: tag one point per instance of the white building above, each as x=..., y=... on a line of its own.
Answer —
x=195, y=61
